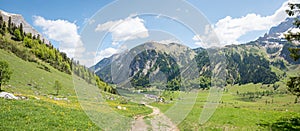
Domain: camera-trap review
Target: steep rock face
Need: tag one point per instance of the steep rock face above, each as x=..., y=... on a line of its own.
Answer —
x=143, y=62
x=142, y=68
x=17, y=19
x=276, y=31
x=275, y=44
x=101, y=64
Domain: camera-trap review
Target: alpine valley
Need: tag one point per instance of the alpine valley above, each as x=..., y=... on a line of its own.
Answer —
x=171, y=82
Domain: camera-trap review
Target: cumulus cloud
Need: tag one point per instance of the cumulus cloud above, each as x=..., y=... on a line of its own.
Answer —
x=125, y=29
x=198, y=40
x=63, y=32
x=207, y=39
x=229, y=29
x=105, y=53
x=93, y=57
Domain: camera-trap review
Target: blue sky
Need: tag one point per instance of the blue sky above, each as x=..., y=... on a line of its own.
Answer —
x=77, y=10
x=233, y=21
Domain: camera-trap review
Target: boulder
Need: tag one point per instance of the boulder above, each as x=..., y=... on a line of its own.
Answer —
x=7, y=95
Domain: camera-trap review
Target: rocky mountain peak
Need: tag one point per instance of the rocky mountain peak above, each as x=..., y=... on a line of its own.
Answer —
x=276, y=32
x=17, y=19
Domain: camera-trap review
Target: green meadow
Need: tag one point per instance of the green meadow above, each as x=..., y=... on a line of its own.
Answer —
x=242, y=107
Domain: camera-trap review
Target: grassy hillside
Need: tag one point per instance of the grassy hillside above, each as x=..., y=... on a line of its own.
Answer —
x=31, y=78
x=28, y=79
x=40, y=112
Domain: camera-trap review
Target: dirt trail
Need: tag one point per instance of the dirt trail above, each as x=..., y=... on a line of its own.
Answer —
x=139, y=124
x=159, y=122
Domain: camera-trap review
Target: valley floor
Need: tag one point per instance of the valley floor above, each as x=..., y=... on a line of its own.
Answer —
x=234, y=112
x=245, y=107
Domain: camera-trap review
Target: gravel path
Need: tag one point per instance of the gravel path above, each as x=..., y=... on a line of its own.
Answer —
x=159, y=122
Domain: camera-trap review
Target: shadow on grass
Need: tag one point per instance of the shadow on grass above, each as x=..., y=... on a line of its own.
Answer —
x=245, y=99
x=283, y=124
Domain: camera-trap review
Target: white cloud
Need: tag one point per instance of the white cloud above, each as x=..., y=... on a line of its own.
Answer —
x=230, y=29
x=168, y=41
x=125, y=29
x=115, y=43
x=63, y=32
x=198, y=40
x=91, y=58
x=207, y=39
x=105, y=53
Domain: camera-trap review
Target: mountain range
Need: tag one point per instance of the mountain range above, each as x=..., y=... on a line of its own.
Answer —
x=252, y=62
x=153, y=62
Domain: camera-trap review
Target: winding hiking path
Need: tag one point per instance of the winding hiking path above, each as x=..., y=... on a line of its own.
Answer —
x=159, y=122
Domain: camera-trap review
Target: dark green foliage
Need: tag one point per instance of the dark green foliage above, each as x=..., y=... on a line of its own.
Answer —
x=292, y=37
x=233, y=62
x=294, y=82
x=205, y=82
x=242, y=67
x=295, y=53
x=2, y=26
x=284, y=124
x=280, y=64
x=5, y=73
x=174, y=85
x=21, y=29
x=294, y=86
x=294, y=11
x=203, y=62
x=253, y=96
x=9, y=22
x=256, y=69
x=286, y=54
x=10, y=26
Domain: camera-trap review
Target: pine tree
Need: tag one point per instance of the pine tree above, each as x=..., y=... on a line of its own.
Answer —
x=294, y=82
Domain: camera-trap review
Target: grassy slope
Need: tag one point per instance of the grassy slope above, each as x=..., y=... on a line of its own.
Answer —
x=44, y=113
x=237, y=113
x=28, y=79
x=29, y=73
